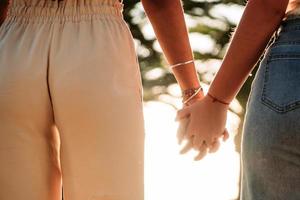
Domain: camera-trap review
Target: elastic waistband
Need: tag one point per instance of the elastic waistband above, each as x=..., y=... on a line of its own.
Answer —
x=57, y=12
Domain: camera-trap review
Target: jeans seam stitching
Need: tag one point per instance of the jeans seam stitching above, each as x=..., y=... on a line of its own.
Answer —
x=273, y=57
x=268, y=102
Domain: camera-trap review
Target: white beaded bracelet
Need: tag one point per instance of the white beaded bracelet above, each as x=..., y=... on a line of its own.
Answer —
x=180, y=64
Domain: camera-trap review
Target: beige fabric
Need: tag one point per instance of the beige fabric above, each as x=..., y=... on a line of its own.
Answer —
x=71, y=64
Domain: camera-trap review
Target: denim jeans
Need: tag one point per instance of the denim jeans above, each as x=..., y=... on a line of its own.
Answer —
x=271, y=133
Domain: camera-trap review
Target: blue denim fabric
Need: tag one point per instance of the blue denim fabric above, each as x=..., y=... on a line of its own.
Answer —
x=271, y=133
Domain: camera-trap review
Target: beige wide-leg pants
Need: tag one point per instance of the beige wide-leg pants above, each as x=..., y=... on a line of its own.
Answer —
x=70, y=103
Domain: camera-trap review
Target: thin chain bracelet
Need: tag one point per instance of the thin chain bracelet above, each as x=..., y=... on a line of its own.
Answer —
x=217, y=100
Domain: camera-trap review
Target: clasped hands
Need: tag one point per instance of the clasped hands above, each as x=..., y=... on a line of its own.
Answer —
x=202, y=123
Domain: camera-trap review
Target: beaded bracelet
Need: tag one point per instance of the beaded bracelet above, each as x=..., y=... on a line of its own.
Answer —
x=192, y=92
x=217, y=100
x=188, y=92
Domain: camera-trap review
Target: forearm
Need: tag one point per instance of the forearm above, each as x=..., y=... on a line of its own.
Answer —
x=167, y=19
x=3, y=10
x=255, y=29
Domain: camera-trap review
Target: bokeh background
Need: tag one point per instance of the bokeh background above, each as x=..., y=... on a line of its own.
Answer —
x=169, y=175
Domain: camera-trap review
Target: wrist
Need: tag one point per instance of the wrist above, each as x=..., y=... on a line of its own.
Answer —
x=191, y=94
x=215, y=99
x=186, y=76
x=198, y=97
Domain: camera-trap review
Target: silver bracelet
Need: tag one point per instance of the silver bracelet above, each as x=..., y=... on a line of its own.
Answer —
x=183, y=63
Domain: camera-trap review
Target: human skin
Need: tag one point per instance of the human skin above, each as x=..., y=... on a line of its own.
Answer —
x=258, y=23
x=167, y=19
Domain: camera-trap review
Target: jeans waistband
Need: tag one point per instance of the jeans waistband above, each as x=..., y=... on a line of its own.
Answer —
x=288, y=32
x=292, y=22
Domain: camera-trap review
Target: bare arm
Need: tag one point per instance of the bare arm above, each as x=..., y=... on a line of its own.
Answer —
x=167, y=19
x=259, y=21
x=3, y=10
x=208, y=119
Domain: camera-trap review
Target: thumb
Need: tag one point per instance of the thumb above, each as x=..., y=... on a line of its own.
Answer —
x=183, y=113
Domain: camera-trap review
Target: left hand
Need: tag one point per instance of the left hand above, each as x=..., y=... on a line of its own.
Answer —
x=184, y=122
x=205, y=125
